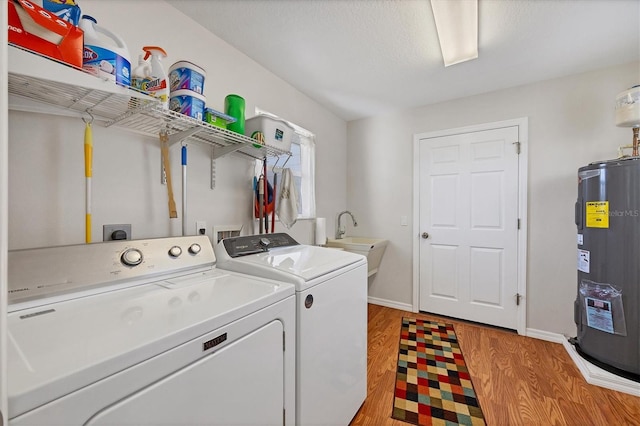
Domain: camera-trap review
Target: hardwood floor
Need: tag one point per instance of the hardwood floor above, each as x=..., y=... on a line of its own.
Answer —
x=518, y=380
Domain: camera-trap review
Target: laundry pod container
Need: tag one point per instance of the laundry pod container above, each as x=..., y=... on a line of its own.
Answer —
x=188, y=103
x=188, y=76
x=277, y=133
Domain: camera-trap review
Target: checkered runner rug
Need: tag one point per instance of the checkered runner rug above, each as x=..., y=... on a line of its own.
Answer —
x=433, y=386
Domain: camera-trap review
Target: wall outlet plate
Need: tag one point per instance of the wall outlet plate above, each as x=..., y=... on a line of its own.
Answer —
x=201, y=227
x=114, y=232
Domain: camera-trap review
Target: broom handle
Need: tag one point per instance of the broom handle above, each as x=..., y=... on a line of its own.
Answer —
x=164, y=147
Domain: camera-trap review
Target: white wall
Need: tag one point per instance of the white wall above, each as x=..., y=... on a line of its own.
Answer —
x=46, y=169
x=3, y=217
x=571, y=123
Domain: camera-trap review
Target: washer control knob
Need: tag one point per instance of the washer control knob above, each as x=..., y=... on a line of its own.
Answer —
x=195, y=248
x=175, y=251
x=131, y=257
x=265, y=242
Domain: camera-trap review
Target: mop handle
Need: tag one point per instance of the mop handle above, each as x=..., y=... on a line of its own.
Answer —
x=184, y=190
x=88, y=163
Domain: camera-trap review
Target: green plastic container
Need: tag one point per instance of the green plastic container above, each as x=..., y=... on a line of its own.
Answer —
x=217, y=118
x=234, y=106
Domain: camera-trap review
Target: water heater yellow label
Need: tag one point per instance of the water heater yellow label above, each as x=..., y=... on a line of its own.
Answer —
x=597, y=214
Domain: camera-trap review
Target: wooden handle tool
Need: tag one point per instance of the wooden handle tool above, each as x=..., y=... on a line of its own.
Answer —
x=164, y=147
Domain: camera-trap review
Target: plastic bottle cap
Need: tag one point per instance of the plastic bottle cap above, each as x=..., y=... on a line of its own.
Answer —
x=150, y=49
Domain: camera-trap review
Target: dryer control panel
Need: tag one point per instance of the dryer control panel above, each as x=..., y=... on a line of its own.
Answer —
x=54, y=271
x=252, y=244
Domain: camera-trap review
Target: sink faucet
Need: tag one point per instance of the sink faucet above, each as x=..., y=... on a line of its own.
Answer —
x=340, y=231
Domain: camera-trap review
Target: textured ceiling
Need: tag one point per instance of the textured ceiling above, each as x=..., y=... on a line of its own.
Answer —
x=362, y=58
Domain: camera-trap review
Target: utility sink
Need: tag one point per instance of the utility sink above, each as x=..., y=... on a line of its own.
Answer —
x=371, y=248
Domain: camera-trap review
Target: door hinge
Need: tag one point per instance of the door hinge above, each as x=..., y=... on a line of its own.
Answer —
x=284, y=416
x=518, y=223
x=517, y=144
x=518, y=297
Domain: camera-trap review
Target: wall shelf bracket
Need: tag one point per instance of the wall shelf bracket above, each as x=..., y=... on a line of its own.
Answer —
x=182, y=135
x=221, y=151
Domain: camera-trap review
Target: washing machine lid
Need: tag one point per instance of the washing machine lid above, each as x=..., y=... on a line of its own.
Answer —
x=299, y=264
x=58, y=348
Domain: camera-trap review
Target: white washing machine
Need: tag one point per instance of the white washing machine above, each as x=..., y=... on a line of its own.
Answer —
x=331, y=319
x=146, y=332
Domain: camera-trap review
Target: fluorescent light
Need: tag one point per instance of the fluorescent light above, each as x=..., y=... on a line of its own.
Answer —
x=457, y=26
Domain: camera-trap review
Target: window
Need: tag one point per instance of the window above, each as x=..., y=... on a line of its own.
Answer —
x=302, y=166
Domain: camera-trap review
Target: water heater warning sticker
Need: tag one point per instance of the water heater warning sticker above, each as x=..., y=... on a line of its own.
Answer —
x=597, y=214
x=583, y=261
x=599, y=314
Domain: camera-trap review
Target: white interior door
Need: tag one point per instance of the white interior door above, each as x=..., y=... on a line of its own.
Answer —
x=468, y=220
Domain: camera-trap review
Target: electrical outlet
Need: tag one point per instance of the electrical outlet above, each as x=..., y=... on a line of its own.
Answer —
x=201, y=227
x=116, y=232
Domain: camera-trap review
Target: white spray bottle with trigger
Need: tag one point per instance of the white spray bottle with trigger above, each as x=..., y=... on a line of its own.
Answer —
x=157, y=84
x=140, y=73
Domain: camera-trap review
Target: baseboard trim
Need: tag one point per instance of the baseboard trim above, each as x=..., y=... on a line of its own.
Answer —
x=391, y=304
x=545, y=335
x=592, y=374
x=595, y=375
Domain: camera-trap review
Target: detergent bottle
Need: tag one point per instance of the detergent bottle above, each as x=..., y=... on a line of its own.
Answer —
x=105, y=54
x=140, y=73
x=157, y=84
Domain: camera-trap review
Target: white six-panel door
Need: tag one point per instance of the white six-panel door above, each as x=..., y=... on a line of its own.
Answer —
x=468, y=216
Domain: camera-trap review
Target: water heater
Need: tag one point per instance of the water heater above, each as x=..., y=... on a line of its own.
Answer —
x=607, y=306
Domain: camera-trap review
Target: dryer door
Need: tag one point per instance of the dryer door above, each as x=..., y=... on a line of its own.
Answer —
x=240, y=384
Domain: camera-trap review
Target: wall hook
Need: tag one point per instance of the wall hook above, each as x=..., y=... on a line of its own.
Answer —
x=286, y=161
x=273, y=169
x=91, y=118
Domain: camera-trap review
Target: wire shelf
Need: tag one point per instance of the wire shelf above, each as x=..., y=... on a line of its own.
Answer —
x=151, y=120
x=102, y=105
x=127, y=108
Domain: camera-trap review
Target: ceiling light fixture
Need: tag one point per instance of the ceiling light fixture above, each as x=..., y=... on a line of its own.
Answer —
x=457, y=26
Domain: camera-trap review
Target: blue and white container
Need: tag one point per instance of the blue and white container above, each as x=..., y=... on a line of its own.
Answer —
x=188, y=76
x=188, y=103
x=67, y=10
x=106, y=57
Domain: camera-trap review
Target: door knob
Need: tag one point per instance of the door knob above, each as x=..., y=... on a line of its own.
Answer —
x=425, y=235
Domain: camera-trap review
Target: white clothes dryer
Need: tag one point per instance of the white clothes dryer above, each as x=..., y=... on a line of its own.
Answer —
x=146, y=332
x=331, y=319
